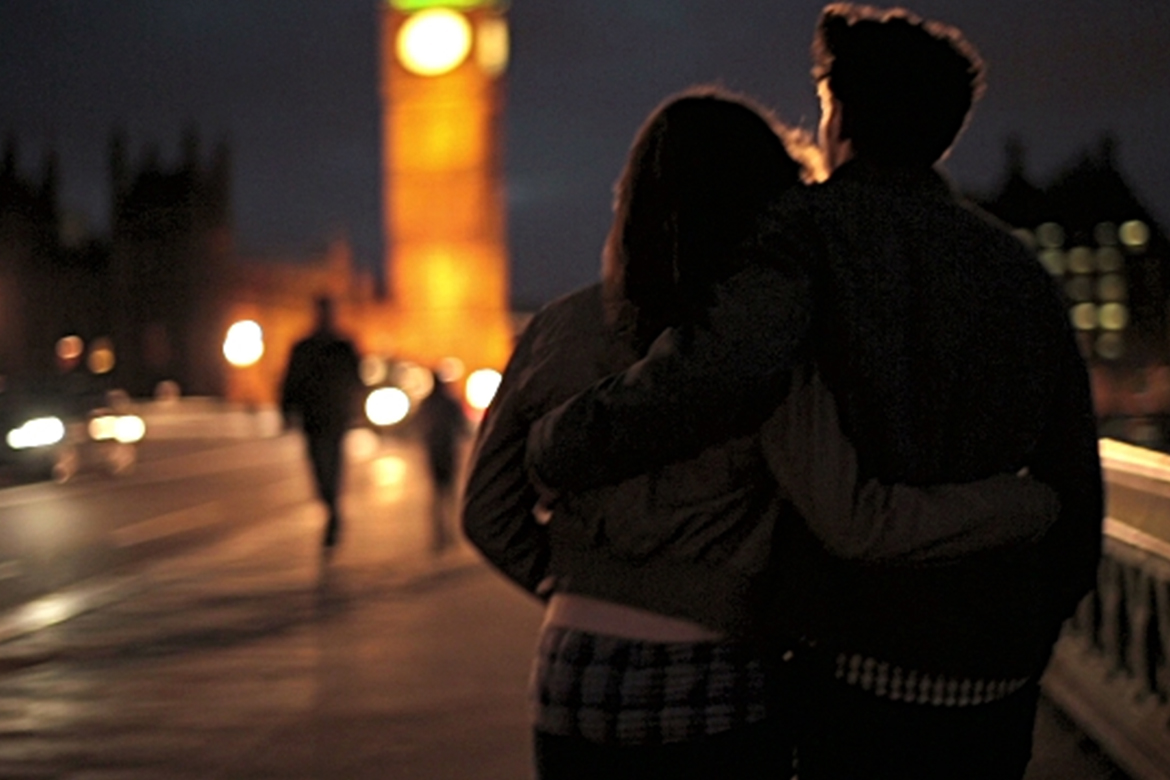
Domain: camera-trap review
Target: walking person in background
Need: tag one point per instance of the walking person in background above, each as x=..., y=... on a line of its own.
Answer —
x=319, y=393
x=948, y=350
x=444, y=426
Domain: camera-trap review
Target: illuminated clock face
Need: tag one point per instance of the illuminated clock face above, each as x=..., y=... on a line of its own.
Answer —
x=434, y=41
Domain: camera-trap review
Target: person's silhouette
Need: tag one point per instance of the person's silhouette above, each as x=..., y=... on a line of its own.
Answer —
x=444, y=426
x=319, y=390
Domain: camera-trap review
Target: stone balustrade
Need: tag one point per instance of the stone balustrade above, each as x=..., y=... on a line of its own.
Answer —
x=1111, y=668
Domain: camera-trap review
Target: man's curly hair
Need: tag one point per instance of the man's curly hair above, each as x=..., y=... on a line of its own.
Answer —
x=906, y=85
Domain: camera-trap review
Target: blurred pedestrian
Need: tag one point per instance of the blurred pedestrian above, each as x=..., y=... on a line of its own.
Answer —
x=319, y=392
x=444, y=426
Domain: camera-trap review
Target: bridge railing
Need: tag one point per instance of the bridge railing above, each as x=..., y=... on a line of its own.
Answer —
x=1111, y=669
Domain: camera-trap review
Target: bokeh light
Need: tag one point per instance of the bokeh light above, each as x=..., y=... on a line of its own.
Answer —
x=101, y=356
x=387, y=406
x=244, y=343
x=1135, y=234
x=481, y=388
x=70, y=348
x=492, y=45
x=434, y=42
x=1050, y=235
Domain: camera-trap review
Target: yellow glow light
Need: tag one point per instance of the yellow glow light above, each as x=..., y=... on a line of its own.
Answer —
x=1080, y=260
x=1084, y=316
x=101, y=357
x=101, y=428
x=434, y=42
x=1113, y=316
x=415, y=380
x=481, y=387
x=390, y=471
x=372, y=370
x=1135, y=234
x=1079, y=289
x=70, y=348
x=387, y=406
x=41, y=432
x=450, y=369
x=244, y=343
x=1105, y=234
x=129, y=428
x=1110, y=346
x=1053, y=260
x=492, y=45
x=1111, y=288
x=1050, y=235
x=1109, y=259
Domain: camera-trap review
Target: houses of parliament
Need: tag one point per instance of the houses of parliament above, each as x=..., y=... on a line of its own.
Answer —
x=150, y=300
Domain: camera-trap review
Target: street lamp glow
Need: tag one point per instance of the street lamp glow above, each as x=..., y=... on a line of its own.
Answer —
x=434, y=42
x=481, y=388
x=387, y=406
x=244, y=343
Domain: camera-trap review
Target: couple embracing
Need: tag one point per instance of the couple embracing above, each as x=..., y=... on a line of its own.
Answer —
x=809, y=481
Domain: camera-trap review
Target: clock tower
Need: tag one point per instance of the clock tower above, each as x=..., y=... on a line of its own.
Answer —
x=443, y=212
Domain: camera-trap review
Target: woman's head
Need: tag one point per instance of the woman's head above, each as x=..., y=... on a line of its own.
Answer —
x=698, y=173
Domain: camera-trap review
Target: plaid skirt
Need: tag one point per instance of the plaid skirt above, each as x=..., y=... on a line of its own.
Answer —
x=615, y=691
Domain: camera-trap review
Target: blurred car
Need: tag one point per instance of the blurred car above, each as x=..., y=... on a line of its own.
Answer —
x=52, y=433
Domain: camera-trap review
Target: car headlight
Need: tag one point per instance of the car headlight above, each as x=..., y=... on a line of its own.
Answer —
x=38, y=432
x=122, y=428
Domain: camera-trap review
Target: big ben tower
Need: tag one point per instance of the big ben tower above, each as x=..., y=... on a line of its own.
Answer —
x=442, y=185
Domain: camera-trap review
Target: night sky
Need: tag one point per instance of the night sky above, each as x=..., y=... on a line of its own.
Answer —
x=291, y=85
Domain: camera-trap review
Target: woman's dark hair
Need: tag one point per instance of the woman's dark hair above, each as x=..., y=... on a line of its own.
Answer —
x=700, y=171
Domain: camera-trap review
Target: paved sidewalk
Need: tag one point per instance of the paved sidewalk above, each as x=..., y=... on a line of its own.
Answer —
x=256, y=658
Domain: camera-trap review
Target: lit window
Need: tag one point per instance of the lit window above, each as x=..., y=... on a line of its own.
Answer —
x=1113, y=316
x=1135, y=234
x=1080, y=260
x=1053, y=260
x=1110, y=346
x=1079, y=289
x=1105, y=234
x=1111, y=288
x=1050, y=235
x=1084, y=316
x=1109, y=259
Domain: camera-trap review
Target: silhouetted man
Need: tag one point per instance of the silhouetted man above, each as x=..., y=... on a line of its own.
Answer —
x=320, y=389
x=444, y=426
x=948, y=351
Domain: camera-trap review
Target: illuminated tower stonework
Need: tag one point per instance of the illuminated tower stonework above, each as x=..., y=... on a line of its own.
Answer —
x=442, y=185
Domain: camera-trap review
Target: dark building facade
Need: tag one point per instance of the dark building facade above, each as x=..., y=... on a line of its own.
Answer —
x=141, y=300
x=1112, y=259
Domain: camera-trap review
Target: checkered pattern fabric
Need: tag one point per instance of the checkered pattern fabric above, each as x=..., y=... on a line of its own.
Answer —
x=915, y=687
x=623, y=692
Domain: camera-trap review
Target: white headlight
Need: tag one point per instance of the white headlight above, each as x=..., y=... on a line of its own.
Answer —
x=39, y=432
x=387, y=406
